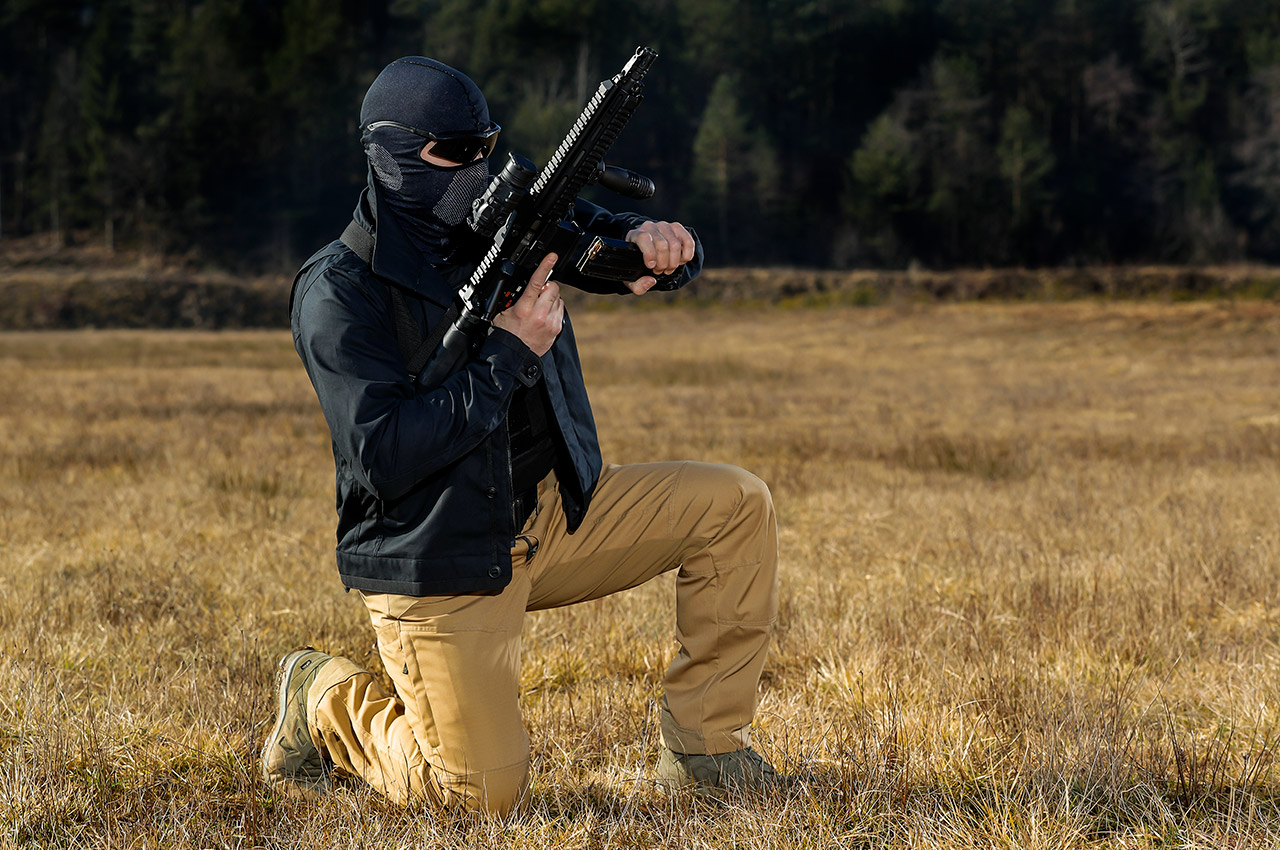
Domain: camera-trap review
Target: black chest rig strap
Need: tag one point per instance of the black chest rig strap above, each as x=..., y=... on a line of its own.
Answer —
x=415, y=350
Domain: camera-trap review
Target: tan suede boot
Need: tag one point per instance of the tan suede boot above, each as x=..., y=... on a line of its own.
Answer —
x=291, y=761
x=714, y=775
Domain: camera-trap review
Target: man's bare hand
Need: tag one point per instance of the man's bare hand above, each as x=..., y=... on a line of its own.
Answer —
x=538, y=314
x=665, y=246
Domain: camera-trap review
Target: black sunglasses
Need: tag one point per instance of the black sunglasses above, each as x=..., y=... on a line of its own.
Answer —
x=460, y=147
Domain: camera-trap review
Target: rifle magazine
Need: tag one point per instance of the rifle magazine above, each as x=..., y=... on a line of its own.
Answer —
x=614, y=260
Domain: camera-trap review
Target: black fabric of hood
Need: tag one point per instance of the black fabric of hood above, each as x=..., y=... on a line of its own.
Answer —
x=426, y=94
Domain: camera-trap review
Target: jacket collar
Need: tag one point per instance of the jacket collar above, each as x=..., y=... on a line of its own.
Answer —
x=394, y=256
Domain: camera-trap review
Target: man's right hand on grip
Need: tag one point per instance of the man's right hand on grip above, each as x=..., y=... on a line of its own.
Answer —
x=538, y=314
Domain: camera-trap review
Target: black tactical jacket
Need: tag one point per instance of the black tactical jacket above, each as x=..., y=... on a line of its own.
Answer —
x=424, y=495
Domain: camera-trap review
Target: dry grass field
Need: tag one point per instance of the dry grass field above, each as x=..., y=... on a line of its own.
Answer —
x=1029, y=596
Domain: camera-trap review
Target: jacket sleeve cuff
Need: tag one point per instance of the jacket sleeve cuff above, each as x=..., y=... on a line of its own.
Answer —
x=512, y=352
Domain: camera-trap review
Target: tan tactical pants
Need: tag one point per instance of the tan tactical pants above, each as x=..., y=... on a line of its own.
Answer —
x=453, y=735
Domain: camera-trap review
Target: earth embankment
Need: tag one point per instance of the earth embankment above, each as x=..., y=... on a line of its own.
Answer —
x=76, y=289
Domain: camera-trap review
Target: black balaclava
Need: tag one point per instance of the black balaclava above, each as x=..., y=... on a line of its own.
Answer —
x=429, y=201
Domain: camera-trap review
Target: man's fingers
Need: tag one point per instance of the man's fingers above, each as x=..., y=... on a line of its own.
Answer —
x=680, y=244
x=662, y=238
x=549, y=295
x=540, y=278
x=666, y=261
x=643, y=239
x=543, y=273
x=664, y=245
x=687, y=246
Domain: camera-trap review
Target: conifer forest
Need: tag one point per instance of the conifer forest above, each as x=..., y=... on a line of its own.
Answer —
x=815, y=133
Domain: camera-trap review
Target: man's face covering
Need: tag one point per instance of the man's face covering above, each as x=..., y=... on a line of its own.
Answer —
x=429, y=201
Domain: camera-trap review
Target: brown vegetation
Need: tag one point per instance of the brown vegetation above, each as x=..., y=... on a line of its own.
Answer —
x=1029, y=595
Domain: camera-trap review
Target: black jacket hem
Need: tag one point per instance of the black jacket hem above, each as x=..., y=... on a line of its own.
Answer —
x=431, y=587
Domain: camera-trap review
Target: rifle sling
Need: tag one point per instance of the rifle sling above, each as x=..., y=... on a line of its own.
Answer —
x=415, y=350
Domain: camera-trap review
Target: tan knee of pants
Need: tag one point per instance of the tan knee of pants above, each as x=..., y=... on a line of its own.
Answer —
x=453, y=734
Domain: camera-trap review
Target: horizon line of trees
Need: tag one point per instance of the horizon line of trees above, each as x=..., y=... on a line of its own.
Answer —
x=825, y=133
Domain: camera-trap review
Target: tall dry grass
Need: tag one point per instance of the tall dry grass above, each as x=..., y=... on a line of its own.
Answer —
x=1030, y=559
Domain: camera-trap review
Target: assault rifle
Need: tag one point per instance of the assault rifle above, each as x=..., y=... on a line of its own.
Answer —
x=524, y=215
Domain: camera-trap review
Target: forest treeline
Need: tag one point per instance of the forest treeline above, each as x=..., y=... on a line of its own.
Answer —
x=820, y=133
